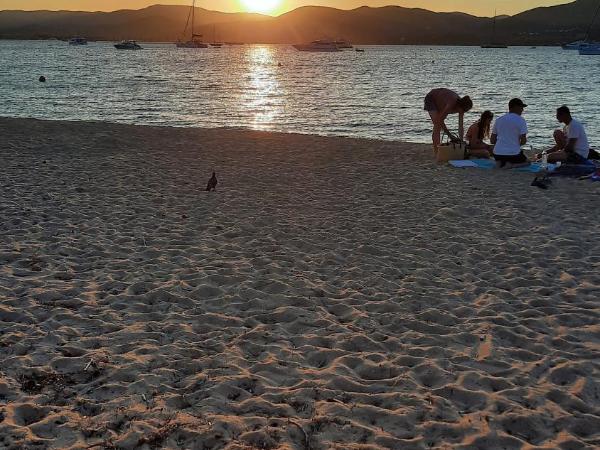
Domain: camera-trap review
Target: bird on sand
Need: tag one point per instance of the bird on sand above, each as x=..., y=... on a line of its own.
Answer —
x=212, y=183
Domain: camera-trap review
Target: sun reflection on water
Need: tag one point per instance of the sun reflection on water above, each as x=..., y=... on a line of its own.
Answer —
x=262, y=96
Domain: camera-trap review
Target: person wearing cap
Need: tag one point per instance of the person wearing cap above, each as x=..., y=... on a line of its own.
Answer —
x=440, y=103
x=572, y=145
x=508, y=135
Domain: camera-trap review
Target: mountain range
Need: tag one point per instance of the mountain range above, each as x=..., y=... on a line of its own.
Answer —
x=365, y=25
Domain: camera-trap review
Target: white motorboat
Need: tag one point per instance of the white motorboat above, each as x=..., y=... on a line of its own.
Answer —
x=128, y=45
x=195, y=40
x=343, y=43
x=318, y=46
x=78, y=41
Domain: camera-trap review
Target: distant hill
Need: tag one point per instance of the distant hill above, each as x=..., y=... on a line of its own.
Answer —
x=554, y=24
x=365, y=25
x=155, y=23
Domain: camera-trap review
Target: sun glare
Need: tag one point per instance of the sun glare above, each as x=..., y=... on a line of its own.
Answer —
x=261, y=6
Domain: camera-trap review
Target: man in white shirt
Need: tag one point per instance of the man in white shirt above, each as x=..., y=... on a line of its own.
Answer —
x=572, y=145
x=508, y=135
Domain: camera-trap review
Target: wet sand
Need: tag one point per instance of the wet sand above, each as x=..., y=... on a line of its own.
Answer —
x=331, y=294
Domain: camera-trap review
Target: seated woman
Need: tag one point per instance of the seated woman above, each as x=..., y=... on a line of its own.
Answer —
x=476, y=134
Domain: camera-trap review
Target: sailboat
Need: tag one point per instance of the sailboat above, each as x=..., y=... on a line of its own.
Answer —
x=585, y=43
x=494, y=44
x=590, y=48
x=214, y=42
x=573, y=45
x=195, y=39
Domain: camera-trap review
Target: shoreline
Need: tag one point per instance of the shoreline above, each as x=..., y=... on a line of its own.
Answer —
x=232, y=128
x=224, y=128
x=332, y=293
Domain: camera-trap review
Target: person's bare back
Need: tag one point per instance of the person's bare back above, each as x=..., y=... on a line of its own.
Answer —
x=444, y=100
x=441, y=102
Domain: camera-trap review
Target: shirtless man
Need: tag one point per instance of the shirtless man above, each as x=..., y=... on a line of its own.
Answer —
x=439, y=103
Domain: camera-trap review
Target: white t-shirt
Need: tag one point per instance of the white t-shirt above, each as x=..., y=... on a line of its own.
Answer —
x=576, y=131
x=509, y=129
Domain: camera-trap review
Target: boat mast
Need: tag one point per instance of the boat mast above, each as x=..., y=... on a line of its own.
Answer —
x=193, y=11
x=589, y=31
x=494, y=27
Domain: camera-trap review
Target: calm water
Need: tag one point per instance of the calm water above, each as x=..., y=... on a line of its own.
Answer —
x=377, y=94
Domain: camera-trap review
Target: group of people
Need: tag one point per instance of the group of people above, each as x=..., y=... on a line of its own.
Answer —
x=508, y=133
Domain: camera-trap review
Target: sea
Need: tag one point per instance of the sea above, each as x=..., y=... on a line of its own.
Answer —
x=376, y=94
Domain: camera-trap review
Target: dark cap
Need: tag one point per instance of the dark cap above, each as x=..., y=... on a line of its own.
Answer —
x=516, y=102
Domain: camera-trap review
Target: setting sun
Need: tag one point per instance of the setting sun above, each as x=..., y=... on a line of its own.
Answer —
x=262, y=6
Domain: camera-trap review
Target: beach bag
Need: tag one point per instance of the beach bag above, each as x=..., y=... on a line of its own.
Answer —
x=451, y=151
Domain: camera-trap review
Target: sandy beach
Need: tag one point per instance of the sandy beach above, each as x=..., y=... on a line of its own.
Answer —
x=333, y=293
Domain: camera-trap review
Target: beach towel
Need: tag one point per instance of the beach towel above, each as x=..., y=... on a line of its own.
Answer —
x=462, y=163
x=491, y=164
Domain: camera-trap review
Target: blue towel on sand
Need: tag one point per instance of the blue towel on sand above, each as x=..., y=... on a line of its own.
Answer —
x=491, y=164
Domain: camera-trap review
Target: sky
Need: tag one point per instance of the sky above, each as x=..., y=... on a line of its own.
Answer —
x=477, y=7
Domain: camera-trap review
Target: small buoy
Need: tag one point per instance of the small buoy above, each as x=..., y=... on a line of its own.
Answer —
x=42, y=79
